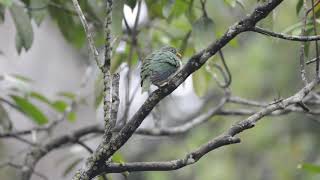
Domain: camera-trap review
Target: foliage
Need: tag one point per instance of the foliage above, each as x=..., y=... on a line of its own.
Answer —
x=255, y=62
x=310, y=168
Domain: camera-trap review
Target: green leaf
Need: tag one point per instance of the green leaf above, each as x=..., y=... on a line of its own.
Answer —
x=167, y=8
x=200, y=80
x=5, y=122
x=59, y=105
x=41, y=10
x=71, y=166
x=179, y=8
x=40, y=97
x=69, y=25
x=155, y=8
x=231, y=3
x=117, y=16
x=118, y=158
x=203, y=33
x=30, y=110
x=310, y=168
x=24, y=35
x=190, y=14
x=22, y=78
x=179, y=27
x=7, y=3
x=72, y=117
x=2, y=11
x=17, y=82
x=19, y=43
x=299, y=6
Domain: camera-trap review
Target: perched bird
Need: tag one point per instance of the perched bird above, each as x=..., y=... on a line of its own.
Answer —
x=159, y=66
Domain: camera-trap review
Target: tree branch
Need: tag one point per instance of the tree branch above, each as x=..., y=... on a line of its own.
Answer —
x=280, y=107
x=284, y=36
x=224, y=139
x=96, y=163
x=107, y=80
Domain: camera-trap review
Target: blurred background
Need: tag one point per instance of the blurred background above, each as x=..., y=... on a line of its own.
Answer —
x=44, y=57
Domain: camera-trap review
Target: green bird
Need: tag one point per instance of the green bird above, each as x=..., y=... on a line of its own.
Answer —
x=159, y=66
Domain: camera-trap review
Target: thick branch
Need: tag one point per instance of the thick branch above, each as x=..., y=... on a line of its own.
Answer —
x=189, y=159
x=107, y=79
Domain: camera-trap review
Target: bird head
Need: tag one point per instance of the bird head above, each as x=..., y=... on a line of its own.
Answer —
x=171, y=49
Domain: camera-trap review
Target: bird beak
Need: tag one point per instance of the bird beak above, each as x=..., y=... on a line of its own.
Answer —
x=179, y=55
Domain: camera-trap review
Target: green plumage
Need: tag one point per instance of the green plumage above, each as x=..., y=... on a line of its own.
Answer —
x=158, y=67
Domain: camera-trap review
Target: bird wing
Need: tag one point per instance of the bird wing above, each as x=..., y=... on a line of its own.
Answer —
x=145, y=72
x=166, y=57
x=157, y=67
x=162, y=73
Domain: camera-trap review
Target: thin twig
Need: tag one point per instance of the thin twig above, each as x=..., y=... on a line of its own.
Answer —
x=89, y=34
x=227, y=78
x=239, y=100
x=203, y=8
x=312, y=60
x=11, y=104
x=314, y=5
x=184, y=43
x=86, y=147
x=301, y=38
